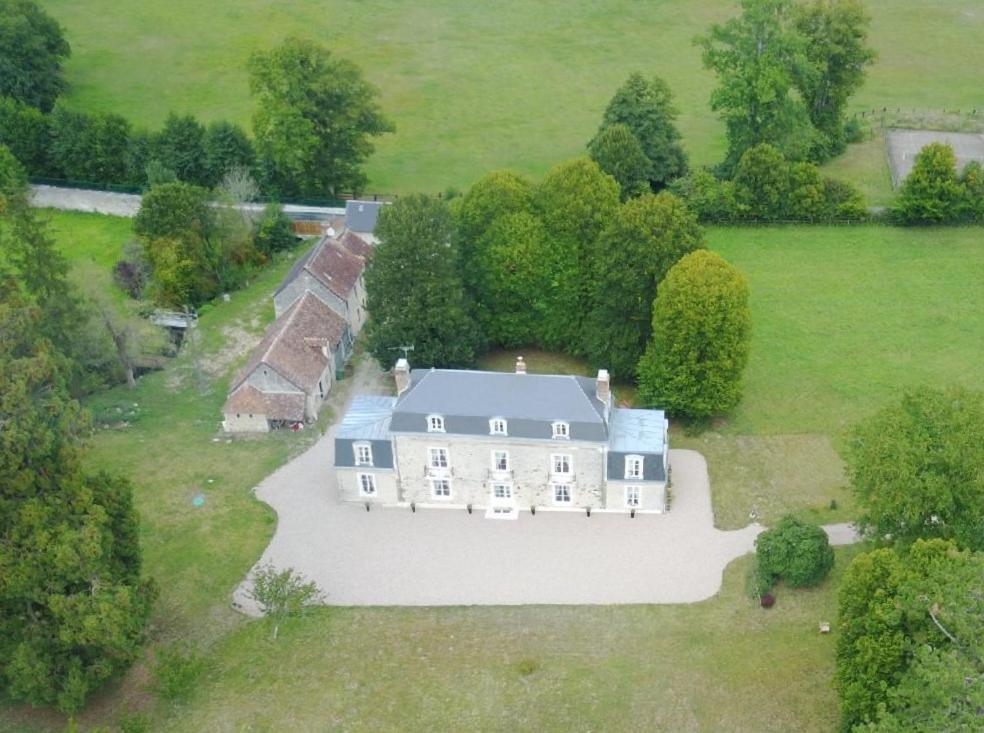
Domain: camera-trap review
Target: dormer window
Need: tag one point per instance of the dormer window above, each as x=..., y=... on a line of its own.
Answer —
x=561, y=430
x=497, y=426
x=633, y=467
x=363, y=454
x=435, y=424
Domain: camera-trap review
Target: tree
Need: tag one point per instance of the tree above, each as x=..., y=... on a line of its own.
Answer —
x=758, y=58
x=513, y=283
x=699, y=347
x=25, y=131
x=73, y=608
x=836, y=33
x=647, y=236
x=227, y=148
x=762, y=183
x=707, y=196
x=284, y=593
x=645, y=106
x=931, y=193
x=91, y=148
x=793, y=551
x=575, y=201
x=618, y=153
x=413, y=288
x=972, y=182
x=314, y=120
x=917, y=468
x=275, y=231
x=180, y=147
x=32, y=49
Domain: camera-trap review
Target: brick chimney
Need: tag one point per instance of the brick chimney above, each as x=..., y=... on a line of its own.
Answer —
x=603, y=388
x=520, y=365
x=401, y=373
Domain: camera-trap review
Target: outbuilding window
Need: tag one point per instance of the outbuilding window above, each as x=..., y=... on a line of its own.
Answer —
x=435, y=424
x=633, y=496
x=633, y=467
x=363, y=454
x=367, y=484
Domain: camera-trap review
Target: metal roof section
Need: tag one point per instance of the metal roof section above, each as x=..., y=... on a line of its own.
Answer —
x=638, y=431
x=367, y=418
x=466, y=393
x=361, y=216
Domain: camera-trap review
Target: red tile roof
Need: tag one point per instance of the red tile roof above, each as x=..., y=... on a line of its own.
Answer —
x=272, y=405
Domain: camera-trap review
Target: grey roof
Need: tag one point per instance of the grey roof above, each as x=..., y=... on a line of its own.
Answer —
x=360, y=216
x=297, y=267
x=464, y=393
x=367, y=418
x=637, y=431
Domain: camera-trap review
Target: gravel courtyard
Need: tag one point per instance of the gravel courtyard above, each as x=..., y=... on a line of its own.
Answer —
x=439, y=557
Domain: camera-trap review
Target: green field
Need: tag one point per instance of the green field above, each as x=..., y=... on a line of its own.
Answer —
x=478, y=86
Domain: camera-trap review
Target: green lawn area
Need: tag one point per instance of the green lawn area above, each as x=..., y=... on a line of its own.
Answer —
x=478, y=86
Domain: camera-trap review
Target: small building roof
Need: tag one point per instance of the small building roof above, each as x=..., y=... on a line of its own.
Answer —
x=543, y=397
x=367, y=418
x=293, y=344
x=272, y=405
x=361, y=216
x=637, y=431
x=330, y=263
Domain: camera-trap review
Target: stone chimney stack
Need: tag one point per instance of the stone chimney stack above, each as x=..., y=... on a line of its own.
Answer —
x=401, y=372
x=603, y=387
x=520, y=365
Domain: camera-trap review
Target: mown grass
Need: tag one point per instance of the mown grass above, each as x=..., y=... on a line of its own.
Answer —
x=477, y=86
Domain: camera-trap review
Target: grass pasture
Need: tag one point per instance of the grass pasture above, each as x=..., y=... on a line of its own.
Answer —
x=479, y=86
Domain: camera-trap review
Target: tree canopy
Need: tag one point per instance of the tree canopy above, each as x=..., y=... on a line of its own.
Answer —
x=32, y=50
x=699, y=347
x=413, y=288
x=792, y=551
x=932, y=192
x=314, y=120
x=917, y=468
x=617, y=151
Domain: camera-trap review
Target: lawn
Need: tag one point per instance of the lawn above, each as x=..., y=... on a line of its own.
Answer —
x=477, y=86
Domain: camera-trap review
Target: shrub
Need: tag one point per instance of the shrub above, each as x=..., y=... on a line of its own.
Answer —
x=617, y=152
x=712, y=199
x=931, y=193
x=26, y=132
x=176, y=669
x=794, y=551
x=282, y=593
x=275, y=232
x=132, y=271
x=767, y=600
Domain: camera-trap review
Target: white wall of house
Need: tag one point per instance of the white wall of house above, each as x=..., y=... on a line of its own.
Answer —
x=350, y=485
x=472, y=473
x=651, y=495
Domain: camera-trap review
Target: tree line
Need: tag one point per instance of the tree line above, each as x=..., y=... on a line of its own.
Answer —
x=314, y=120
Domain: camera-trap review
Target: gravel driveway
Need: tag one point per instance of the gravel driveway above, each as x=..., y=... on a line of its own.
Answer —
x=439, y=557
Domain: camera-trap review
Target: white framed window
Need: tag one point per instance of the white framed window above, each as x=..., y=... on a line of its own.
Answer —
x=363, y=454
x=633, y=496
x=562, y=493
x=502, y=491
x=438, y=457
x=435, y=424
x=498, y=426
x=441, y=488
x=500, y=460
x=633, y=467
x=561, y=430
x=560, y=463
x=367, y=484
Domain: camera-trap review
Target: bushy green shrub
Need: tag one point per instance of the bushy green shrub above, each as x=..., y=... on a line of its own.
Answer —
x=274, y=232
x=932, y=192
x=176, y=669
x=793, y=551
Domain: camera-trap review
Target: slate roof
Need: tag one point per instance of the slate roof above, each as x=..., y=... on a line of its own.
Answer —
x=367, y=418
x=361, y=216
x=330, y=263
x=540, y=397
x=274, y=405
x=292, y=345
x=637, y=431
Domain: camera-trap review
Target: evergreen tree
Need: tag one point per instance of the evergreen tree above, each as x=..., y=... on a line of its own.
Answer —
x=645, y=239
x=931, y=193
x=645, y=106
x=414, y=291
x=618, y=152
x=180, y=147
x=226, y=147
x=25, y=131
x=699, y=348
x=72, y=606
x=762, y=183
x=32, y=49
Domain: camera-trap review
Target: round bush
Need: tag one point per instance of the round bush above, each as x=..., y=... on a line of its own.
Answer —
x=797, y=552
x=768, y=600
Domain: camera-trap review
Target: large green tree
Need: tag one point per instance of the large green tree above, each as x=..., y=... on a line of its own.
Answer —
x=32, y=49
x=72, y=605
x=226, y=147
x=180, y=147
x=575, y=201
x=917, y=468
x=414, y=291
x=25, y=131
x=90, y=148
x=315, y=117
x=701, y=326
x=932, y=192
x=758, y=57
x=617, y=151
x=646, y=237
x=836, y=33
x=646, y=107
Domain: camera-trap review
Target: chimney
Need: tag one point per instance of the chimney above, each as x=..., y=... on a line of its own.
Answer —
x=401, y=372
x=520, y=365
x=603, y=387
